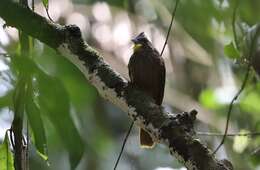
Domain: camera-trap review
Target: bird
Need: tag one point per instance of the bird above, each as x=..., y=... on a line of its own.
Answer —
x=146, y=70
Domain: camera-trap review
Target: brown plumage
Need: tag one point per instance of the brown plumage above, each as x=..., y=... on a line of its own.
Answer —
x=147, y=72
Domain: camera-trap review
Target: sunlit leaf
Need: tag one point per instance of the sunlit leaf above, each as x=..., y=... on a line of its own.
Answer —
x=45, y=3
x=231, y=52
x=240, y=142
x=6, y=156
x=250, y=102
x=53, y=98
x=208, y=99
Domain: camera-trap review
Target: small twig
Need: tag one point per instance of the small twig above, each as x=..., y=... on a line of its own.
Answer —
x=231, y=106
x=4, y=54
x=33, y=5
x=11, y=137
x=47, y=12
x=169, y=29
x=123, y=146
x=228, y=134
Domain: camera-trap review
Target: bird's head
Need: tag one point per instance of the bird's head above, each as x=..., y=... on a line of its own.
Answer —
x=140, y=41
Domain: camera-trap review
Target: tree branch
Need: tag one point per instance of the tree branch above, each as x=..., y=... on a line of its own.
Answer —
x=174, y=130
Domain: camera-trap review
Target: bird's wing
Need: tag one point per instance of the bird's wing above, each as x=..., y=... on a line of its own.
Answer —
x=131, y=69
x=161, y=81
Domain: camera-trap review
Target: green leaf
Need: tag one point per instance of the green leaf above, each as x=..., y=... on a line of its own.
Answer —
x=35, y=120
x=53, y=98
x=45, y=3
x=6, y=157
x=208, y=99
x=250, y=103
x=231, y=52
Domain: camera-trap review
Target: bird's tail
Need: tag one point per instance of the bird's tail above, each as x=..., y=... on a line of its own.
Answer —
x=146, y=140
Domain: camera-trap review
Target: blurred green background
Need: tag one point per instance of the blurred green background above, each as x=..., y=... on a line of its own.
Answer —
x=67, y=117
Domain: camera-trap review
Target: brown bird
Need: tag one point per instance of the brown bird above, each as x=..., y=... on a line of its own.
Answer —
x=147, y=73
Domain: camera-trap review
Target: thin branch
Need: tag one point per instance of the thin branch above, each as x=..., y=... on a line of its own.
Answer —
x=20, y=160
x=11, y=136
x=123, y=146
x=169, y=29
x=46, y=6
x=228, y=134
x=4, y=54
x=33, y=5
x=47, y=12
x=231, y=106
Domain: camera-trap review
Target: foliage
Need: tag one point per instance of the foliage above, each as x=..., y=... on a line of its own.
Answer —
x=231, y=51
x=6, y=158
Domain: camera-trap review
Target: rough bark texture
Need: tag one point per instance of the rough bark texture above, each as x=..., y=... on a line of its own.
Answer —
x=174, y=130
